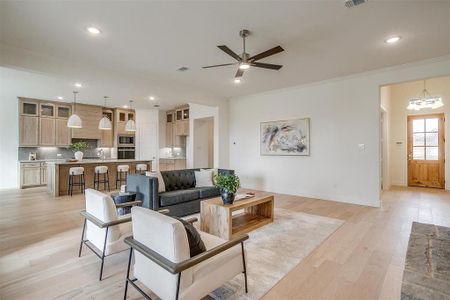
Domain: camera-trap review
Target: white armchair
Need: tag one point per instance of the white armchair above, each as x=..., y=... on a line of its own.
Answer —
x=103, y=230
x=163, y=264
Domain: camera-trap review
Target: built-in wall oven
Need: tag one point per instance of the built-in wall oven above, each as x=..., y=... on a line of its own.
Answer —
x=125, y=153
x=125, y=141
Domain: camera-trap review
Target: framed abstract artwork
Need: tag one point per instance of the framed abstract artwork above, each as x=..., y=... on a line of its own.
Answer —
x=286, y=137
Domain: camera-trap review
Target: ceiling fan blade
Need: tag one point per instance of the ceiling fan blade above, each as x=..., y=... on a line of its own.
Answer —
x=229, y=52
x=266, y=66
x=239, y=73
x=269, y=52
x=214, y=66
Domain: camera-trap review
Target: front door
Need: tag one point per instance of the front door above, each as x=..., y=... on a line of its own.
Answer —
x=426, y=151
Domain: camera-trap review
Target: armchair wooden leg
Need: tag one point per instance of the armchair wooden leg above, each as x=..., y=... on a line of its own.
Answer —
x=245, y=267
x=128, y=274
x=103, y=253
x=82, y=238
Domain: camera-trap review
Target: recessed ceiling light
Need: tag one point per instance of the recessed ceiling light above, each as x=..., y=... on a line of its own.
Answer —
x=78, y=85
x=392, y=40
x=244, y=66
x=93, y=30
x=152, y=98
x=125, y=106
x=60, y=98
x=237, y=80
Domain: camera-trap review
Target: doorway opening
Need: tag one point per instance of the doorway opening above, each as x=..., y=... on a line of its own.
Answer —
x=413, y=146
x=203, y=143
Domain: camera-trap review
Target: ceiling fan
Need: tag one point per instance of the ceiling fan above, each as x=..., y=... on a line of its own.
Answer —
x=245, y=60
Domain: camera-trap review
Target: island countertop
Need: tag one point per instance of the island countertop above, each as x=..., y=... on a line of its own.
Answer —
x=58, y=173
x=96, y=161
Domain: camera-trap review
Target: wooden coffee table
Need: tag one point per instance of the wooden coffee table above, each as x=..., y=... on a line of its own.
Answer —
x=227, y=221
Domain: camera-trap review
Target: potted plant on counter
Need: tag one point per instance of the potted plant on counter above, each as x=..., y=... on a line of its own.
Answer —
x=228, y=185
x=78, y=149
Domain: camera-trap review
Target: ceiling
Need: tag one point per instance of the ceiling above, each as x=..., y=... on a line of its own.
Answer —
x=151, y=40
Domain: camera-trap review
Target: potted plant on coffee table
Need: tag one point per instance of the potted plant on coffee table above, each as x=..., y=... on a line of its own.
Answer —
x=228, y=185
x=78, y=149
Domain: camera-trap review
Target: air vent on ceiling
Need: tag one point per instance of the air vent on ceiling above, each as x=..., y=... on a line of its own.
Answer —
x=156, y=106
x=183, y=69
x=351, y=3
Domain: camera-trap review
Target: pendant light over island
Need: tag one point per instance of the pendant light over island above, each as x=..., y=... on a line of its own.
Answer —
x=74, y=120
x=105, y=123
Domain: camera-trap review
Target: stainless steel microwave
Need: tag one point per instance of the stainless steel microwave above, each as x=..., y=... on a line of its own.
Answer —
x=125, y=140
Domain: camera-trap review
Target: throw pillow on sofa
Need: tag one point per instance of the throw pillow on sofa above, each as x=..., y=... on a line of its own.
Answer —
x=161, y=184
x=196, y=245
x=204, y=178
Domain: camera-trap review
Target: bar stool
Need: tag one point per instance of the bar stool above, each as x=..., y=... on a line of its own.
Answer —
x=122, y=170
x=101, y=170
x=76, y=172
x=141, y=168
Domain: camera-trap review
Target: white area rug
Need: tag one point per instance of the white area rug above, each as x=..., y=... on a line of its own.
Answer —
x=275, y=249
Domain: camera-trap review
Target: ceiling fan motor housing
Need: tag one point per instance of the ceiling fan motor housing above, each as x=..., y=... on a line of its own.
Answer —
x=244, y=33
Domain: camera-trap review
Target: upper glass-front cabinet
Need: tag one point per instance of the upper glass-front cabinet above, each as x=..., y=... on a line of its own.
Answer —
x=47, y=110
x=29, y=108
x=62, y=112
x=185, y=113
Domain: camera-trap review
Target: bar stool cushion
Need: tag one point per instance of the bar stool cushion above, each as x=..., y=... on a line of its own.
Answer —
x=123, y=168
x=141, y=167
x=101, y=169
x=76, y=171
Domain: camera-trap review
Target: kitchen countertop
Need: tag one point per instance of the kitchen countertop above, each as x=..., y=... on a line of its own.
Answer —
x=95, y=161
x=41, y=160
x=171, y=158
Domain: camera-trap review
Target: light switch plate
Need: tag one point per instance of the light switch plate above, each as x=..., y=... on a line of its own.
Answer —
x=362, y=147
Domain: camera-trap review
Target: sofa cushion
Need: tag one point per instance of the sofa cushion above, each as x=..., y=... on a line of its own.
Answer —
x=178, y=179
x=176, y=197
x=208, y=192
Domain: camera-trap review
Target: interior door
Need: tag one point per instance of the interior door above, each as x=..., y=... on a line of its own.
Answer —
x=426, y=151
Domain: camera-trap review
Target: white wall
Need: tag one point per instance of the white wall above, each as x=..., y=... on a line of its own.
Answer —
x=344, y=112
x=198, y=111
x=385, y=141
x=203, y=143
x=147, y=135
x=400, y=95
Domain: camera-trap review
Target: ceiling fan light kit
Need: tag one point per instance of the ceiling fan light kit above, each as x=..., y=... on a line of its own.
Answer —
x=245, y=61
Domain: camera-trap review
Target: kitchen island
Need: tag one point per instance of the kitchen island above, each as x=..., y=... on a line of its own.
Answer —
x=58, y=173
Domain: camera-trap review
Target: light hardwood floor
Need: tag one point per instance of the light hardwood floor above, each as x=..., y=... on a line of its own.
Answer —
x=363, y=259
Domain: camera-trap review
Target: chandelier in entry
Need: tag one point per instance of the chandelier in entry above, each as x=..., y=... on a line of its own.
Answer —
x=425, y=100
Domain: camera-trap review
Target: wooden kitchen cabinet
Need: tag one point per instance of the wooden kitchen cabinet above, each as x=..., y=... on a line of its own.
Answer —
x=62, y=133
x=28, y=131
x=43, y=173
x=180, y=164
x=122, y=117
x=182, y=128
x=33, y=174
x=107, y=140
x=28, y=107
x=47, y=132
x=63, y=111
x=169, y=134
x=90, y=116
x=47, y=110
x=30, y=174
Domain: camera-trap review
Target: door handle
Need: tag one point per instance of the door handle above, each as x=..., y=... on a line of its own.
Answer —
x=409, y=156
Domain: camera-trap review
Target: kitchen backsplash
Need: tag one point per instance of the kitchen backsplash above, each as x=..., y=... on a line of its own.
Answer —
x=172, y=152
x=51, y=152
